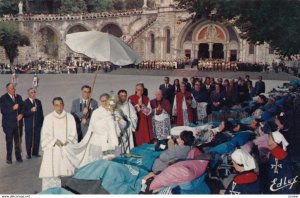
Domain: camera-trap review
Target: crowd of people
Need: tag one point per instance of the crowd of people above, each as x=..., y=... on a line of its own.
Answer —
x=57, y=67
x=88, y=66
x=163, y=64
x=104, y=129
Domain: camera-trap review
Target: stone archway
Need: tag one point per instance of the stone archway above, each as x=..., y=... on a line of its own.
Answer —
x=113, y=29
x=216, y=36
x=70, y=54
x=76, y=28
x=48, y=43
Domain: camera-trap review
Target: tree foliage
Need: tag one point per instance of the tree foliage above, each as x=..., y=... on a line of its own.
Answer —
x=99, y=5
x=11, y=38
x=9, y=7
x=118, y=4
x=276, y=22
x=72, y=6
x=134, y=4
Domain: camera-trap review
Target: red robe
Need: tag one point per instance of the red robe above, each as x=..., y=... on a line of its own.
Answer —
x=143, y=133
x=179, y=100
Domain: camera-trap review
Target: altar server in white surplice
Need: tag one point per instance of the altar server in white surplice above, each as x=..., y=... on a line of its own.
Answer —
x=58, y=131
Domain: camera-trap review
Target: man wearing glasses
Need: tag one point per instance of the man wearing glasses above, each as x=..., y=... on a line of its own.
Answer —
x=82, y=109
x=33, y=117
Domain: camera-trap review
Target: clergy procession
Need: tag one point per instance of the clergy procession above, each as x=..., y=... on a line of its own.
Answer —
x=188, y=138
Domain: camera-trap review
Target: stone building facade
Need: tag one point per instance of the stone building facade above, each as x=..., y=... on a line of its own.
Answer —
x=162, y=33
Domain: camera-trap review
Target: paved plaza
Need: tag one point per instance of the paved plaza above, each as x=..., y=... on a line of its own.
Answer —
x=22, y=178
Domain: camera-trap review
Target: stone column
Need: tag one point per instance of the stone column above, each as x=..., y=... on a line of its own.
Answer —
x=162, y=49
x=210, y=49
x=194, y=51
x=226, y=50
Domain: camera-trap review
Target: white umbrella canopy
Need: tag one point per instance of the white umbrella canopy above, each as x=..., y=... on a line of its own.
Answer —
x=102, y=47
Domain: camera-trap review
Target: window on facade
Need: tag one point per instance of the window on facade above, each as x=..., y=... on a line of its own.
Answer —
x=152, y=42
x=251, y=48
x=168, y=32
x=271, y=50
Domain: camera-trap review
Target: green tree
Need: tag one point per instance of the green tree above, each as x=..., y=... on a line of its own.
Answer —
x=276, y=22
x=10, y=38
x=118, y=4
x=151, y=3
x=72, y=6
x=133, y=4
x=99, y=5
x=9, y=7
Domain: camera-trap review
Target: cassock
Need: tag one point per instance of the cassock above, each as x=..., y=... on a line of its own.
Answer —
x=182, y=110
x=143, y=133
x=161, y=118
x=281, y=177
x=55, y=163
x=128, y=113
x=244, y=183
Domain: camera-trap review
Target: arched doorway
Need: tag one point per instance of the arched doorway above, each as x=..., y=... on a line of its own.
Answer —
x=216, y=40
x=112, y=29
x=203, y=52
x=218, y=52
x=48, y=43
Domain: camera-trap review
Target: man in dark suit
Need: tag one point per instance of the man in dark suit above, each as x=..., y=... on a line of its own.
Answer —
x=248, y=81
x=12, y=121
x=260, y=86
x=208, y=85
x=33, y=117
x=167, y=90
x=81, y=112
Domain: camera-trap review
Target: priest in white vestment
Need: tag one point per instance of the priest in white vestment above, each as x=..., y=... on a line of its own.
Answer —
x=58, y=131
x=128, y=113
x=101, y=139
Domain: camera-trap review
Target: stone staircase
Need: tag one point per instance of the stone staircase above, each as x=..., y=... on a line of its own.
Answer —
x=3, y=57
x=141, y=30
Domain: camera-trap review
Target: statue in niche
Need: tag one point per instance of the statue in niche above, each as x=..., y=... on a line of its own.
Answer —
x=20, y=5
x=145, y=4
x=211, y=33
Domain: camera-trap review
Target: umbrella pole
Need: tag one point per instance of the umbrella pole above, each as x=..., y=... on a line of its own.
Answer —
x=95, y=77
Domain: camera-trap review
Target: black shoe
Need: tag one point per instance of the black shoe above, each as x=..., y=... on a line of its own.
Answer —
x=28, y=157
x=8, y=161
x=36, y=155
x=19, y=160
